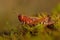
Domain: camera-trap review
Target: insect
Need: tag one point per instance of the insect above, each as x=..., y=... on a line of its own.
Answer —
x=34, y=20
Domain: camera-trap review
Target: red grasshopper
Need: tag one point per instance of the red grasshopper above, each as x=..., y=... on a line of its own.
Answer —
x=34, y=20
